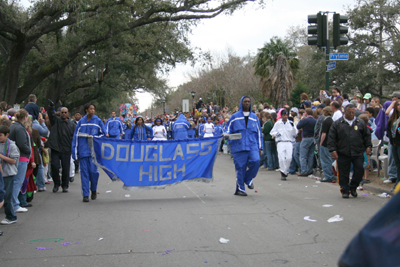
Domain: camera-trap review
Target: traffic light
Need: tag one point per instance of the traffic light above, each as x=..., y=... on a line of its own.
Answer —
x=338, y=30
x=317, y=28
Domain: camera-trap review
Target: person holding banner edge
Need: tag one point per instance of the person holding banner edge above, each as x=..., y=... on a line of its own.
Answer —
x=246, y=152
x=90, y=126
x=141, y=131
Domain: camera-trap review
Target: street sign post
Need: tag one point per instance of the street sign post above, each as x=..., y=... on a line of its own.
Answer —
x=339, y=56
x=332, y=66
x=185, y=105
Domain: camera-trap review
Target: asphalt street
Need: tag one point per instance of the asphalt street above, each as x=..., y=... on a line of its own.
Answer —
x=182, y=225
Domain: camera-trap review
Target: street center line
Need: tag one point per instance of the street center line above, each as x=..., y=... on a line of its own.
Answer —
x=195, y=193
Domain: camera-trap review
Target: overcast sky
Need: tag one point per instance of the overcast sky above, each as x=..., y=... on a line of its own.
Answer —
x=247, y=30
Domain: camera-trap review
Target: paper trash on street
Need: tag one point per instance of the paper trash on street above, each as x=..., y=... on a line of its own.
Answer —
x=223, y=240
x=335, y=218
x=307, y=218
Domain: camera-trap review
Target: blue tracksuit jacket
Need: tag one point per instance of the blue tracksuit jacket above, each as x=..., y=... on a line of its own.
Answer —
x=180, y=128
x=114, y=127
x=80, y=145
x=142, y=133
x=252, y=138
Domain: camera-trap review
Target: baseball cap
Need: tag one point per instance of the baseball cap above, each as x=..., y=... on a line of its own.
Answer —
x=321, y=106
x=308, y=103
x=284, y=112
x=367, y=96
x=396, y=93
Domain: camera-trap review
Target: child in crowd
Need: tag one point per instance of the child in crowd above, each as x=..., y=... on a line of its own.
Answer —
x=366, y=164
x=9, y=156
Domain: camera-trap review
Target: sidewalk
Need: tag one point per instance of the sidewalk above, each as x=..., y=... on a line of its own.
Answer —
x=376, y=186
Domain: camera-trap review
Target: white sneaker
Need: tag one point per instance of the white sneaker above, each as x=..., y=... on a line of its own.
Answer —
x=7, y=221
x=21, y=210
x=278, y=170
x=387, y=181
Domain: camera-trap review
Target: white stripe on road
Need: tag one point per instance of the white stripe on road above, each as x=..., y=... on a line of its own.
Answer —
x=194, y=193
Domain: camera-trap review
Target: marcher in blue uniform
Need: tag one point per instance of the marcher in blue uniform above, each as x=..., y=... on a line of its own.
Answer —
x=201, y=128
x=180, y=128
x=91, y=125
x=192, y=130
x=114, y=127
x=168, y=127
x=128, y=130
x=141, y=131
x=246, y=151
x=218, y=130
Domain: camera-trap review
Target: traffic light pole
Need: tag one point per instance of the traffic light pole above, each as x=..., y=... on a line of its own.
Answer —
x=327, y=50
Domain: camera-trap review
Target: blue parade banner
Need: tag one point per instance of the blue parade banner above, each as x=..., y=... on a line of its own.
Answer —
x=155, y=164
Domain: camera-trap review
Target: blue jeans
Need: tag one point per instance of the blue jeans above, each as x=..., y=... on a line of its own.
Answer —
x=307, y=147
x=8, y=198
x=392, y=170
x=295, y=164
x=396, y=156
x=40, y=175
x=326, y=162
x=17, y=184
x=271, y=161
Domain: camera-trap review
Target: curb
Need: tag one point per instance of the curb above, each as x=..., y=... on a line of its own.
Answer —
x=368, y=187
x=377, y=189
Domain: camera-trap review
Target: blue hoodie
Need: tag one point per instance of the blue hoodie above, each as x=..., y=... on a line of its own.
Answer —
x=114, y=127
x=180, y=128
x=251, y=135
x=80, y=145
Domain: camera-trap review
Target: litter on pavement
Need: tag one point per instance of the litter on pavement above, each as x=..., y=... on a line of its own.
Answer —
x=335, y=218
x=109, y=191
x=223, y=240
x=384, y=195
x=101, y=238
x=47, y=240
x=327, y=205
x=127, y=195
x=41, y=248
x=68, y=243
x=168, y=251
x=307, y=218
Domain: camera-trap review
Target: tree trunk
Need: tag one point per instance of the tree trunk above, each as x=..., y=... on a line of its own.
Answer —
x=10, y=77
x=56, y=88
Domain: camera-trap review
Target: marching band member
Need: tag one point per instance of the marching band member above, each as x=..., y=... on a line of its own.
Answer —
x=159, y=131
x=284, y=133
x=114, y=127
x=180, y=128
x=246, y=151
x=91, y=125
x=208, y=128
x=141, y=131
